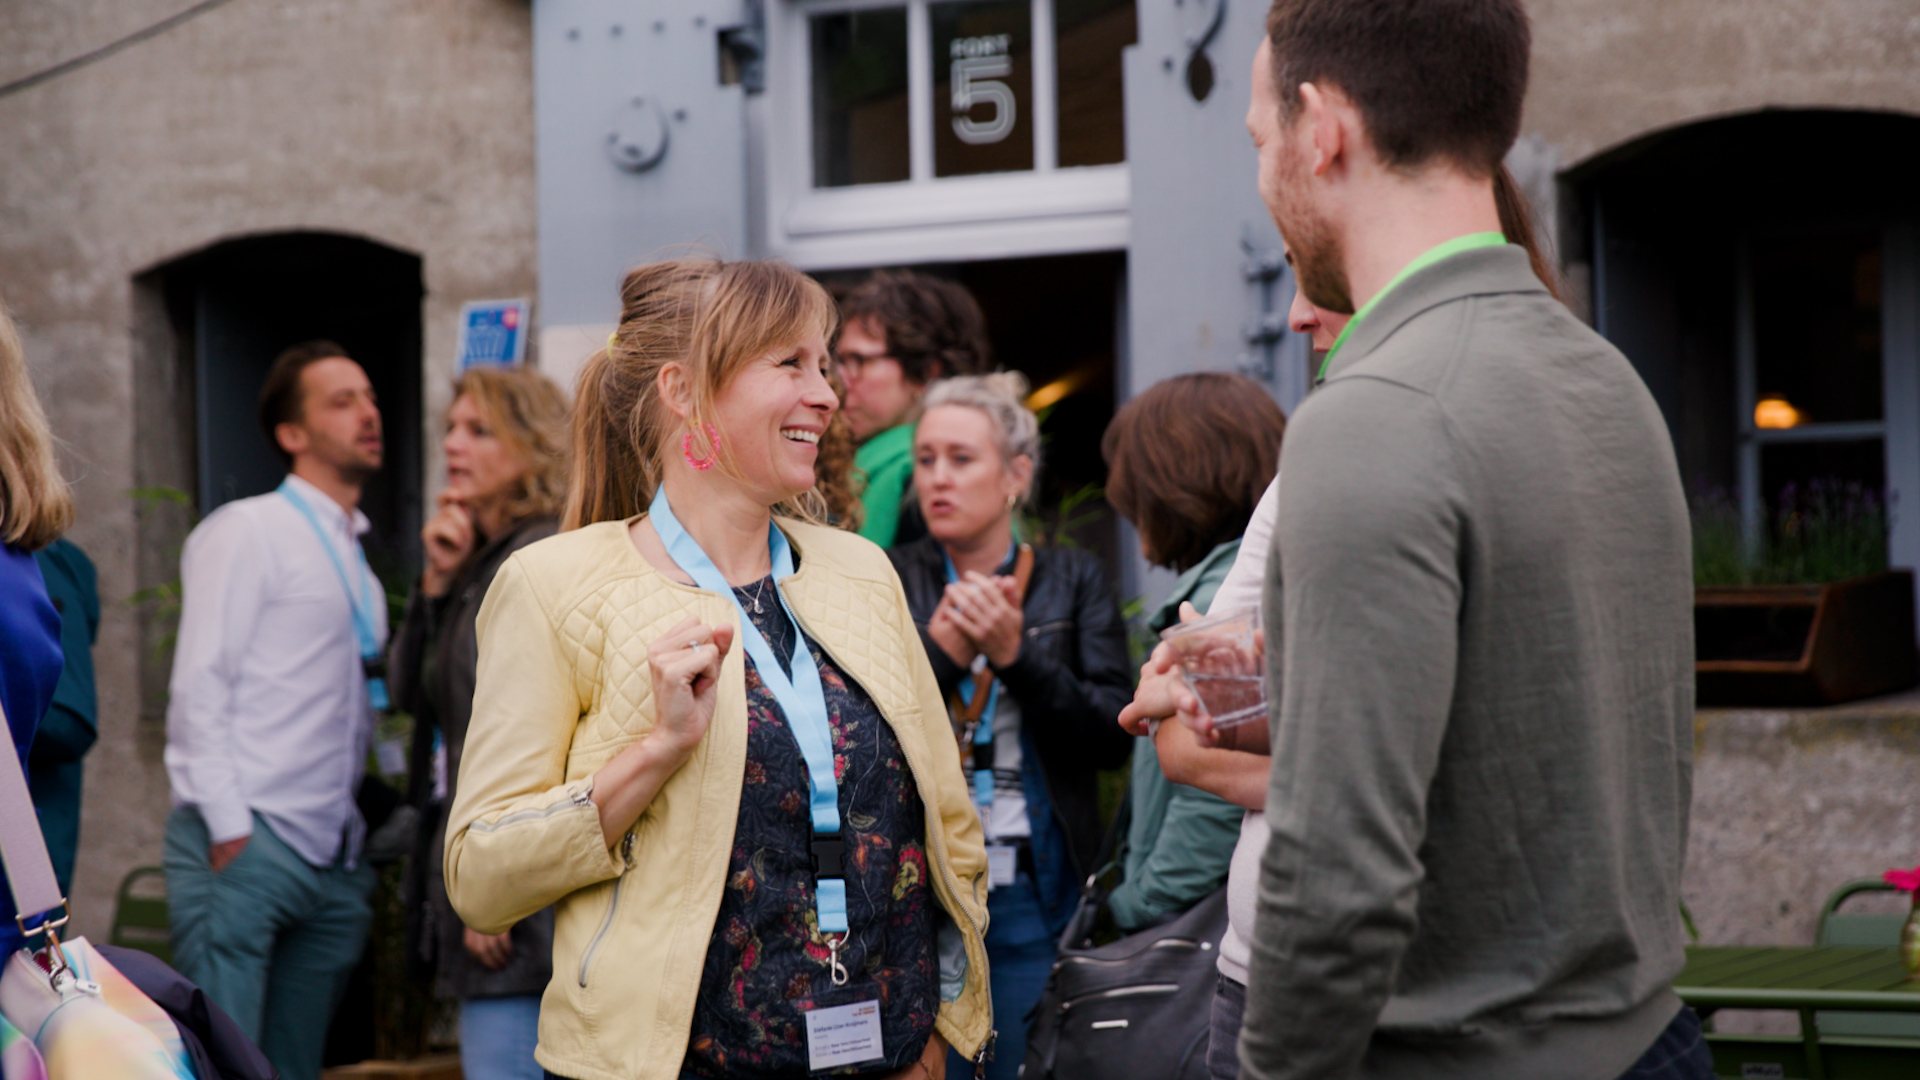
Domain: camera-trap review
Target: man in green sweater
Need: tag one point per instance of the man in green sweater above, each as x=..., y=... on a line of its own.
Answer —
x=899, y=331
x=1478, y=598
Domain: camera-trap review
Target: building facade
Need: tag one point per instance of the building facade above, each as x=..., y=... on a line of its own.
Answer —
x=1725, y=184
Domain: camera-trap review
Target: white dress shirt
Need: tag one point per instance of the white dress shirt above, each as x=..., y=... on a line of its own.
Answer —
x=269, y=708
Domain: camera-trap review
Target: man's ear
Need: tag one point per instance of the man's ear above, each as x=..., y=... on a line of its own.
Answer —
x=292, y=438
x=1323, y=114
x=675, y=392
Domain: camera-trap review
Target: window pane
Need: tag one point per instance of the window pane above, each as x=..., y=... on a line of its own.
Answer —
x=1088, y=37
x=859, y=97
x=1816, y=323
x=983, y=87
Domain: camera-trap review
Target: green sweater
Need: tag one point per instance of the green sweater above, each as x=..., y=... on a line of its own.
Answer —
x=1479, y=615
x=886, y=463
x=1181, y=838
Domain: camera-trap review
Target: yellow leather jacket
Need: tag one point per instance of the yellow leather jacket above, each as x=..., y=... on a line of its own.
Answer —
x=563, y=687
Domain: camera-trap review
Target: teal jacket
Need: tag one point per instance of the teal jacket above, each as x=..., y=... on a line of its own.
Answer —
x=72, y=723
x=1181, y=838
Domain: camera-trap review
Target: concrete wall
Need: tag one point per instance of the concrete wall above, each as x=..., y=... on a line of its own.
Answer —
x=1608, y=71
x=410, y=124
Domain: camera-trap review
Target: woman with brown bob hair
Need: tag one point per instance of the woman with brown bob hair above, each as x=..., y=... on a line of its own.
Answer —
x=505, y=445
x=706, y=733
x=1187, y=462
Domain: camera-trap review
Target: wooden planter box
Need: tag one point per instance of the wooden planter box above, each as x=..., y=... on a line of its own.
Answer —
x=435, y=1067
x=1773, y=645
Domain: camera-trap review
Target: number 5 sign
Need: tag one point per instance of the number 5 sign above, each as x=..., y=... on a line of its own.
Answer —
x=978, y=65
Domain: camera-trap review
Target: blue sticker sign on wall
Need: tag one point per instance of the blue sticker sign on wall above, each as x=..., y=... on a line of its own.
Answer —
x=493, y=332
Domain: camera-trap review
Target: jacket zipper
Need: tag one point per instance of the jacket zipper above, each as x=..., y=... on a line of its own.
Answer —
x=626, y=858
x=946, y=874
x=571, y=801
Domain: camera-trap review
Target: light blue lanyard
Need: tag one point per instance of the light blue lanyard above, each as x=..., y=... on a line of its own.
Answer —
x=802, y=700
x=363, y=607
x=982, y=732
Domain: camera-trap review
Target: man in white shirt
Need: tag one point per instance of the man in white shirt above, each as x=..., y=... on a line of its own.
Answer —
x=270, y=716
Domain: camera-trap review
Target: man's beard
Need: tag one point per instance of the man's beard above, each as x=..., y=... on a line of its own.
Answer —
x=1319, y=258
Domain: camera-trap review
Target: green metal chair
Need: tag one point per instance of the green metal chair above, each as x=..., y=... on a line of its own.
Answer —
x=140, y=913
x=1838, y=928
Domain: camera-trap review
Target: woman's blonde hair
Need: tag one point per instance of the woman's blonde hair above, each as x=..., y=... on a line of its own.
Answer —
x=36, y=505
x=529, y=414
x=1002, y=397
x=712, y=318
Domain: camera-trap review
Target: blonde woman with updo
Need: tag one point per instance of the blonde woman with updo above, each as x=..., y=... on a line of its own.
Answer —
x=705, y=732
x=1028, y=644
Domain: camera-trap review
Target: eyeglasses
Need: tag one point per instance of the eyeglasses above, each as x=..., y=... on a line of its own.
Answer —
x=851, y=364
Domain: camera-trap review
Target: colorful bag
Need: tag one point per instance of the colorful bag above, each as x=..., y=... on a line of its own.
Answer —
x=19, y=1058
x=84, y=1018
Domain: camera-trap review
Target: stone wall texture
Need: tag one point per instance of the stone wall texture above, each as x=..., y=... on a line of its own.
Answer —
x=410, y=124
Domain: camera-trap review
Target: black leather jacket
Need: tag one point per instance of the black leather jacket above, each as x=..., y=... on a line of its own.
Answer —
x=1072, y=677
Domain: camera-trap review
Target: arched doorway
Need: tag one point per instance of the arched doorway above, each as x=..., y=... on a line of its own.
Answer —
x=1763, y=274
x=229, y=309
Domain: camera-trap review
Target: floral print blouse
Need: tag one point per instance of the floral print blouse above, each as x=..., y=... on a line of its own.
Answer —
x=767, y=962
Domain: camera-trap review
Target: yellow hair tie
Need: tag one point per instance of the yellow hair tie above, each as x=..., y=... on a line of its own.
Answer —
x=611, y=338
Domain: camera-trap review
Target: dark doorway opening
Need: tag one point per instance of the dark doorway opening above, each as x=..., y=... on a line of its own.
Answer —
x=233, y=308
x=1056, y=320
x=1767, y=295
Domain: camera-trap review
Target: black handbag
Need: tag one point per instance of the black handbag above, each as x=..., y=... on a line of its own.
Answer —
x=1137, y=1008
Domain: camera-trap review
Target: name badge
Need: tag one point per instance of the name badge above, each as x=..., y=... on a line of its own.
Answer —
x=843, y=1035
x=1003, y=861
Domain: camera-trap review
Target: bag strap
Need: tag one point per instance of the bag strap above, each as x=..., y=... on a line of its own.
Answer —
x=24, y=850
x=1022, y=574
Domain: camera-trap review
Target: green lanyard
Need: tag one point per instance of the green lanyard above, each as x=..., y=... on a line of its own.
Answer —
x=1432, y=255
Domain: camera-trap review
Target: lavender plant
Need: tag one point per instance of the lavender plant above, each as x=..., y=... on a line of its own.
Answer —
x=1821, y=531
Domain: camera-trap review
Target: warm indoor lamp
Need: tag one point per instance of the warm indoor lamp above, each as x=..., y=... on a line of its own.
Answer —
x=1774, y=412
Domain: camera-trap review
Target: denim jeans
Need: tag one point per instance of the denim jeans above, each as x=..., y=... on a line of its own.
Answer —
x=1680, y=1053
x=497, y=1036
x=1223, y=1031
x=1020, y=953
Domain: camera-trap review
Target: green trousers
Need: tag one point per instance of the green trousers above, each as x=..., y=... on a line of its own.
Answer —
x=271, y=939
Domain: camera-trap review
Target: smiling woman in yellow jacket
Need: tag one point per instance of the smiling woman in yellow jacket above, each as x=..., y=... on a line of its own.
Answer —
x=705, y=730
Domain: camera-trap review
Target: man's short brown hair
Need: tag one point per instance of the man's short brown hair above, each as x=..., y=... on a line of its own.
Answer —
x=281, y=398
x=1431, y=78
x=1189, y=459
x=934, y=328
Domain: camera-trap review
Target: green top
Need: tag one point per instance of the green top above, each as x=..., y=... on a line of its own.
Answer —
x=1427, y=258
x=1181, y=838
x=885, y=461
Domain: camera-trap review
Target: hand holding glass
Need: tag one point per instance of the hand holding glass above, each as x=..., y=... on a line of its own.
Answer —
x=1221, y=662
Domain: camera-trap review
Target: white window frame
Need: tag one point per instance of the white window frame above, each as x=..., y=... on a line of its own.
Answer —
x=1047, y=211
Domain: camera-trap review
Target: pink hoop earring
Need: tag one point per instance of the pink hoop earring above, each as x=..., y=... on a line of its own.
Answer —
x=705, y=463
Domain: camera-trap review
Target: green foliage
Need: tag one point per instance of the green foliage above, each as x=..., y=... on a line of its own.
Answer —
x=1824, y=531
x=163, y=600
x=1054, y=526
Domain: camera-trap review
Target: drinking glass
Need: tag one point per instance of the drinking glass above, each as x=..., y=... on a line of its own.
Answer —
x=1221, y=665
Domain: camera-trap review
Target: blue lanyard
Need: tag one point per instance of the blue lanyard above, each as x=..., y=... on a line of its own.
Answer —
x=802, y=700
x=982, y=732
x=363, y=607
